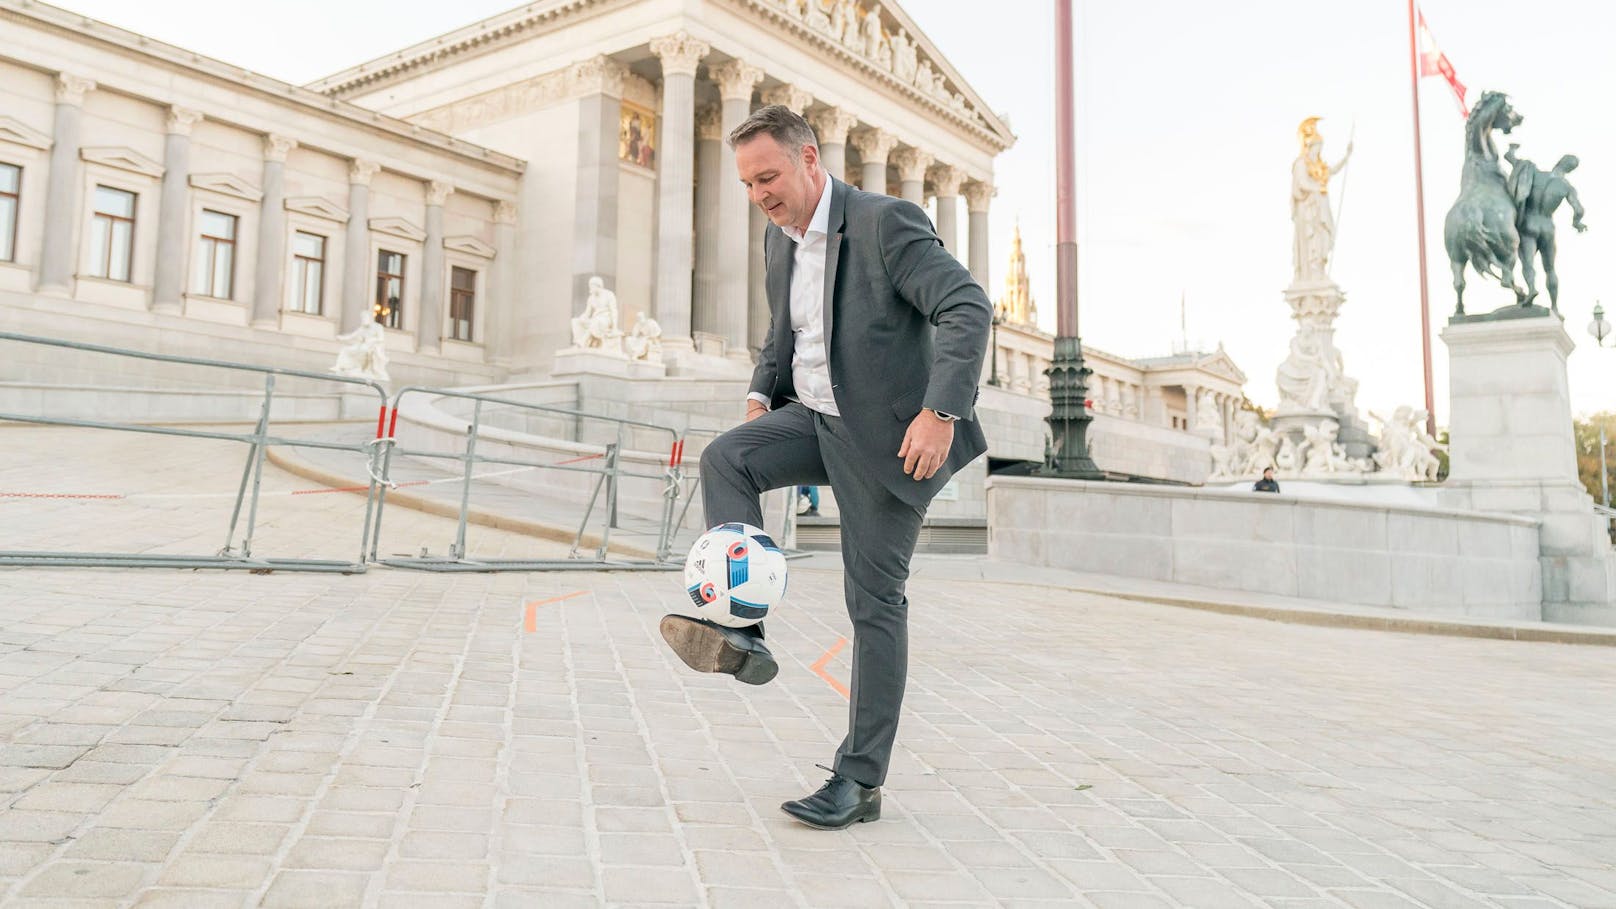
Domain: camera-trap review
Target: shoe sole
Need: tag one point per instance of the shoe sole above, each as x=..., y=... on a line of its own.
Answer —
x=865, y=819
x=706, y=649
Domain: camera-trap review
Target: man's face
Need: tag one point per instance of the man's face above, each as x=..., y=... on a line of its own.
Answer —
x=784, y=185
x=1268, y=473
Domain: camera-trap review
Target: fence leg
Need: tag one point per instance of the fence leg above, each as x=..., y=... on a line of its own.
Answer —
x=670, y=498
x=259, y=450
x=458, y=550
x=583, y=525
x=247, y=468
x=381, y=496
x=612, y=454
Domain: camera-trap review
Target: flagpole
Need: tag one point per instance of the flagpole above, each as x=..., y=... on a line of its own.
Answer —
x=1419, y=214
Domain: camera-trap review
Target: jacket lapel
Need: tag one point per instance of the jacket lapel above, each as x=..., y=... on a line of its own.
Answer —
x=833, y=249
x=777, y=286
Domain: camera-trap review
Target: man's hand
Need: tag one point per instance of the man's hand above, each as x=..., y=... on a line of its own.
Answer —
x=926, y=444
x=754, y=410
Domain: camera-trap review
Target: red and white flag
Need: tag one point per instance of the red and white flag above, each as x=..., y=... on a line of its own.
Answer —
x=1435, y=63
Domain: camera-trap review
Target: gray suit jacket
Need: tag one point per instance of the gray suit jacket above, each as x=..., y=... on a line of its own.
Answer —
x=906, y=324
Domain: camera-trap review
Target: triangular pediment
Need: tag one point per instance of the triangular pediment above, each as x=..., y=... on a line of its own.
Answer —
x=1220, y=364
x=122, y=158
x=470, y=246
x=228, y=184
x=397, y=227
x=19, y=133
x=316, y=207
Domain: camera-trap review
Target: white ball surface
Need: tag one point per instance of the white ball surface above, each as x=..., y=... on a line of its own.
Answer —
x=735, y=574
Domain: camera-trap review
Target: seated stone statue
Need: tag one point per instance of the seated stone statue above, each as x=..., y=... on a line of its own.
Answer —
x=644, y=341
x=1304, y=378
x=365, y=356
x=597, y=325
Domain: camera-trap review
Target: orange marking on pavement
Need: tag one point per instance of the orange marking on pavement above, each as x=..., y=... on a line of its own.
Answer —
x=819, y=667
x=531, y=624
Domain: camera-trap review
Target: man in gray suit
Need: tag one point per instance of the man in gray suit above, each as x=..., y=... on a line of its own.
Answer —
x=866, y=383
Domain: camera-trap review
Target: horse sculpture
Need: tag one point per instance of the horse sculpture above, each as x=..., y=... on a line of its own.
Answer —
x=1480, y=227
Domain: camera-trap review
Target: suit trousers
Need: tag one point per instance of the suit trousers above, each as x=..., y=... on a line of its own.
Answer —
x=795, y=446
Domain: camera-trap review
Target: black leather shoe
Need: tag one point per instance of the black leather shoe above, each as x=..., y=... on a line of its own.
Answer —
x=839, y=804
x=709, y=647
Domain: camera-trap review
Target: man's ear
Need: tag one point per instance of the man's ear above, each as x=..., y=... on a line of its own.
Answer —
x=810, y=157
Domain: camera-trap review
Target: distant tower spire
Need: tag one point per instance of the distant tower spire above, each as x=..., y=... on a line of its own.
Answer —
x=1017, y=304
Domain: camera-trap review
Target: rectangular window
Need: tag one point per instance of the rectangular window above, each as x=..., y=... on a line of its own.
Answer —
x=10, y=188
x=112, y=234
x=213, y=274
x=308, y=273
x=389, y=307
x=462, y=302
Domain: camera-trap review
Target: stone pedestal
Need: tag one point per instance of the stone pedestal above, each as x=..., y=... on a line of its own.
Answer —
x=1512, y=449
x=574, y=361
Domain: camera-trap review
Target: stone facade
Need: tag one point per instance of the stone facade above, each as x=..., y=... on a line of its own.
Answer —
x=533, y=150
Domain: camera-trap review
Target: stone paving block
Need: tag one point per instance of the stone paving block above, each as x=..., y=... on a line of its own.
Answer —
x=650, y=885
x=228, y=871
x=351, y=823
x=437, y=877
x=88, y=880
x=181, y=898
x=22, y=826
x=315, y=889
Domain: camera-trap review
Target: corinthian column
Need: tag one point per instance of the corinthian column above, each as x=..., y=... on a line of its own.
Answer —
x=429, y=331
x=736, y=80
x=830, y=127
x=598, y=83
x=873, y=146
x=357, y=268
x=269, y=272
x=912, y=164
x=977, y=195
x=709, y=174
x=499, y=318
x=62, y=187
x=680, y=54
x=947, y=180
x=168, y=279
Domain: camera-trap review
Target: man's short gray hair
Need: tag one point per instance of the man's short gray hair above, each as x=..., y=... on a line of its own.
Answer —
x=776, y=120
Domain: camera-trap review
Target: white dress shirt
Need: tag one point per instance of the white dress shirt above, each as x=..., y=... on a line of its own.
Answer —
x=810, y=360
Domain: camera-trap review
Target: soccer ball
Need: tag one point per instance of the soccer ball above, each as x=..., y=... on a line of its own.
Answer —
x=735, y=574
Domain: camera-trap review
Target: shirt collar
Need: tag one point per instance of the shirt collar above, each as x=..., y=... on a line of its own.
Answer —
x=820, y=222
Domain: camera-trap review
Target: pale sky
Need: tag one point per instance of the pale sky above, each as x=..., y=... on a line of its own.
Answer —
x=1187, y=116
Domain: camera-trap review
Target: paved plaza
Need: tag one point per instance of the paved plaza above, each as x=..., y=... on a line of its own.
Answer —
x=402, y=738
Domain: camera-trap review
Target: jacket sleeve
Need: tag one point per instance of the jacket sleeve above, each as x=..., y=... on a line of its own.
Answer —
x=764, y=376
x=934, y=282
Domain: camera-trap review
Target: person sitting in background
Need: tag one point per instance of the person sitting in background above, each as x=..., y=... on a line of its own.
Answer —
x=811, y=493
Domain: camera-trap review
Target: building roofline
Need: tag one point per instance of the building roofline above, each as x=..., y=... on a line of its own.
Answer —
x=90, y=29
x=515, y=24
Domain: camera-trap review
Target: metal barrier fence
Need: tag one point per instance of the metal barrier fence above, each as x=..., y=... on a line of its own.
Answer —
x=231, y=555
x=604, y=495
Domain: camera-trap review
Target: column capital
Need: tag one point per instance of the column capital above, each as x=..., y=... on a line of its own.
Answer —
x=735, y=79
x=831, y=125
x=504, y=212
x=437, y=192
x=277, y=146
x=912, y=163
x=360, y=171
x=599, y=75
x=874, y=144
x=70, y=88
x=790, y=97
x=947, y=179
x=679, y=53
x=710, y=123
x=977, y=194
x=181, y=119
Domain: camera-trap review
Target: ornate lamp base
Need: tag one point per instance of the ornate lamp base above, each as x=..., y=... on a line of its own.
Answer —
x=1069, y=415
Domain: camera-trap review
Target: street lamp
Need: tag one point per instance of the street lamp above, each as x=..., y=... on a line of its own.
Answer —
x=998, y=318
x=1599, y=328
